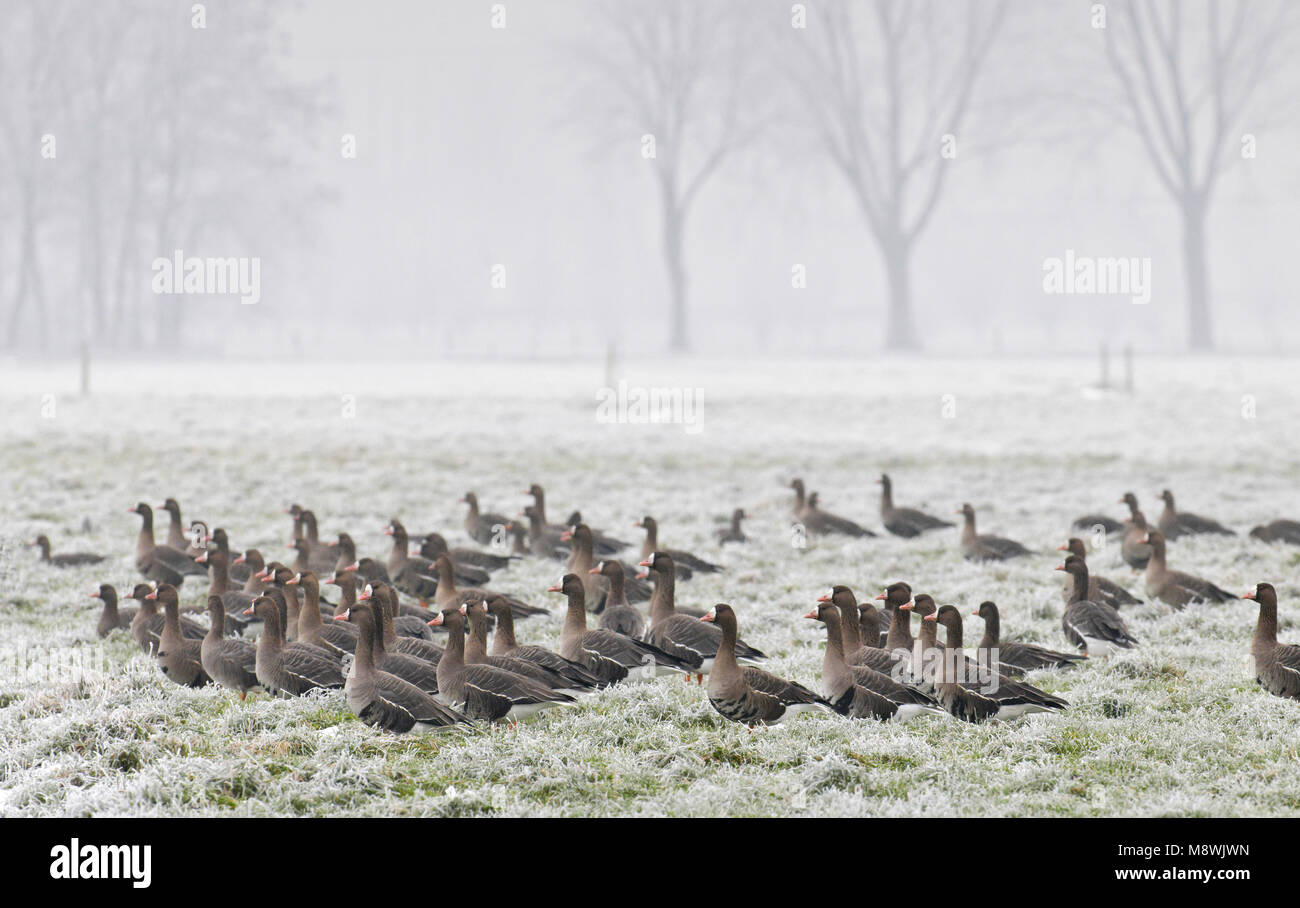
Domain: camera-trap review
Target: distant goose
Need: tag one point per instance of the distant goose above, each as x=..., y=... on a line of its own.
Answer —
x=481, y=527
x=1099, y=588
x=111, y=617
x=977, y=547
x=1277, y=665
x=1134, y=548
x=906, y=522
x=605, y=544
x=160, y=563
x=750, y=695
x=1287, y=531
x=1174, y=523
x=1177, y=588
x=70, y=559
x=733, y=533
x=680, y=557
x=1094, y=627
x=619, y=615
x=823, y=523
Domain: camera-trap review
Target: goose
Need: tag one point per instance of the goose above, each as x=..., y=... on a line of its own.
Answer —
x=160, y=563
x=1093, y=627
x=1134, y=548
x=285, y=668
x=977, y=547
x=476, y=653
x=618, y=615
x=1277, y=665
x=229, y=661
x=823, y=523
x=905, y=522
x=1278, y=531
x=750, y=695
x=874, y=680
x=177, y=656
x=1174, y=523
x=1099, y=588
x=680, y=557
x=1177, y=588
x=1026, y=656
x=70, y=559
x=111, y=618
x=482, y=528
x=504, y=644
x=733, y=533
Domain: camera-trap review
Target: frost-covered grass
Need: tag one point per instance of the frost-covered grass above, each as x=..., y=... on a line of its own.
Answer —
x=1176, y=727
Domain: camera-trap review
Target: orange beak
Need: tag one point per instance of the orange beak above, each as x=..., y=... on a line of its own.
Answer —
x=152, y=594
x=1059, y=567
x=344, y=616
x=249, y=610
x=906, y=607
x=554, y=589
x=883, y=596
x=1250, y=595
x=594, y=571
x=707, y=617
x=812, y=614
x=645, y=563
x=1063, y=548
x=823, y=598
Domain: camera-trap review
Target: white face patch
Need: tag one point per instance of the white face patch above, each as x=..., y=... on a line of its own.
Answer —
x=713, y=614
x=829, y=594
x=368, y=591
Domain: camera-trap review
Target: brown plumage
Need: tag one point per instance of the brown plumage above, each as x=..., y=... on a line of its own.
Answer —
x=1277, y=665
x=750, y=695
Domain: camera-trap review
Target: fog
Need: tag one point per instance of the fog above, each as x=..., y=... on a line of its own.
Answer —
x=471, y=180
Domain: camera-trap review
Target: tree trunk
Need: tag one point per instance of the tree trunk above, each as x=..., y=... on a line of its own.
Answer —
x=1198, y=303
x=673, y=256
x=899, y=333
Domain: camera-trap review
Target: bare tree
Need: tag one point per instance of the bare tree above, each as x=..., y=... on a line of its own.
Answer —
x=681, y=73
x=1187, y=75
x=886, y=81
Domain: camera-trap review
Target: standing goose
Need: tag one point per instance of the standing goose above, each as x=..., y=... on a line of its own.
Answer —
x=229, y=661
x=112, y=618
x=178, y=656
x=323, y=555
x=382, y=699
x=147, y=625
x=733, y=533
x=476, y=653
x=1026, y=656
x=582, y=561
x=159, y=563
x=1094, y=627
x=404, y=619
x=383, y=596
x=1287, y=531
x=1099, y=588
x=750, y=695
x=1277, y=665
x=977, y=547
x=483, y=691
x=618, y=615
x=839, y=683
x=609, y=656
x=504, y=644
x=291, y=669
x=965, y=697
x=235, y=601
x=448, y=596
x=605, y=544
x=679, y=635
x=899, y=638
x=873, y=679
x=69, y=559
x=905, y=522
x=481, y=527
x=411, y=669
x=255, y=563
x=1174, y=523
x=1175, y=587
x=680, y=558
x=176, y=537
x=339, y=639
x=824, y=523
x=543, y=541
x=237, y=568
x=1134, y=548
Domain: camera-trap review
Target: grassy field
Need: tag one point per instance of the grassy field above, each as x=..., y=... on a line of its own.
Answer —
x=1176, y=727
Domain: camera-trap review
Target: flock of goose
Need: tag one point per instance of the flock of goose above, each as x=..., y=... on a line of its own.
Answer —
x=270, y=629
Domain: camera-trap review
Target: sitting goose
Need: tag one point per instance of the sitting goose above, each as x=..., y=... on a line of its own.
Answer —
x=112, y=618
x=290, y=669
x=380, y=698
x=680, y=557
x=160, y=563
x=618, y=615
x=543, y=541
x=1099, y=588
x=229, y=661
x=1094, y=627
x=679, y=635
x=432, y=545
x=69, y=559
x=750, y=695
x=1174, y=523
x=1175, y=587
x=1134, y=548
x=874, y=680
x=823, y=523
x=481, y=527
x=905, y=522
x=734, y=533
x=234, y=601
x=973, y=700
x=976, y=547
x=1026, y=656
x=476, y=653
x=176, y=536
x=1277, y=665
x=840, y=683
x=504, y=644
x=605, y=544
x=609, y=656
x=178, y=656
x=1089, y=522
x=582, y=561
x=418, y=572
x=484, y=691
x=1278, y=531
